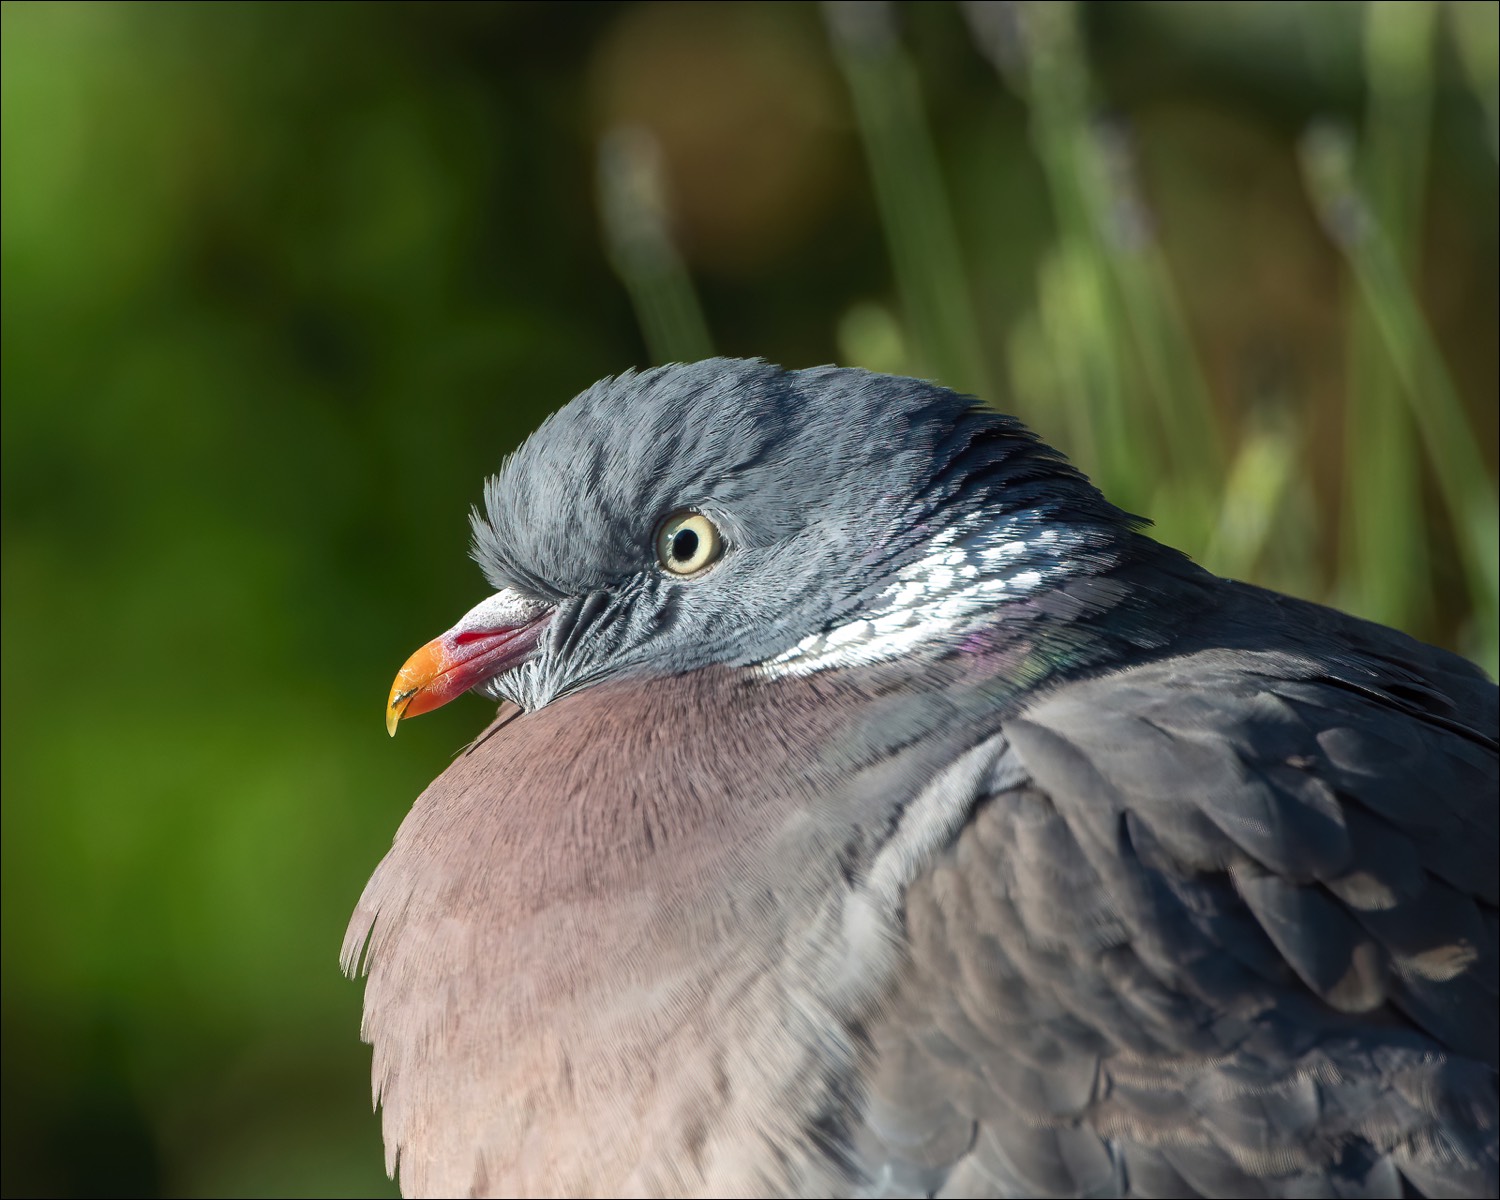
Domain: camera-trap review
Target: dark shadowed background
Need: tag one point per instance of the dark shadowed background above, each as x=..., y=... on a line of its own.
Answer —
x=282, y=283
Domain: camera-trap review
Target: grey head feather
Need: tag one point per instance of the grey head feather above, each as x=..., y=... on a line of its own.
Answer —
x=823, y=482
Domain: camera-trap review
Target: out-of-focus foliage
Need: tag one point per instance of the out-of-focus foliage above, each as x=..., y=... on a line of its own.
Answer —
x=283, y=282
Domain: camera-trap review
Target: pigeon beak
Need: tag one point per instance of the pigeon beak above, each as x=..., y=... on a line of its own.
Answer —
x=491, y=637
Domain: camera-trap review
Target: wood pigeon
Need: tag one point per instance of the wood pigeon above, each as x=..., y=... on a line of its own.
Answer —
x=874, y=810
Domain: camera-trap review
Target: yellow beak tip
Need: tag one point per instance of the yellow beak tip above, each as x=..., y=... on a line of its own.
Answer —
x=396, y=706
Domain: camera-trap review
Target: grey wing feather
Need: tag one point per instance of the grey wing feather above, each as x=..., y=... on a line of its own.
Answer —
x=1232, y=934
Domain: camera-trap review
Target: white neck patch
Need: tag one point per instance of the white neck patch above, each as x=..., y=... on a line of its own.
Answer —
x=964, y=574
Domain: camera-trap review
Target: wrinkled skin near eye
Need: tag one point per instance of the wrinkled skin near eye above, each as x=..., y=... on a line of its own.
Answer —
x=687, y=543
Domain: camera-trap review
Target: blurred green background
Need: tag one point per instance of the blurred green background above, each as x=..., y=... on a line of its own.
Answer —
x=282, y=283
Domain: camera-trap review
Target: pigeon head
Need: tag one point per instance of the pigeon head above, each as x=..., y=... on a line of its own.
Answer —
x=728, y=512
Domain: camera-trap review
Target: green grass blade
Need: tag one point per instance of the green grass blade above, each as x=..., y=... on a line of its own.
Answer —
x=1468, y=493
x=1386, y=572
x=633, y=203
x=1124, y=367
x=910, y=195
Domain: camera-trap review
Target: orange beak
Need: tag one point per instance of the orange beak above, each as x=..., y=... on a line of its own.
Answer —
x=491, y=638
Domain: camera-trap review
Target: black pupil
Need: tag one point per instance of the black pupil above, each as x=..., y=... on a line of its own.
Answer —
x=684, y=545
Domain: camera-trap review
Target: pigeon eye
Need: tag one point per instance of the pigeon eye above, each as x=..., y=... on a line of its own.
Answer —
x=687, y=543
